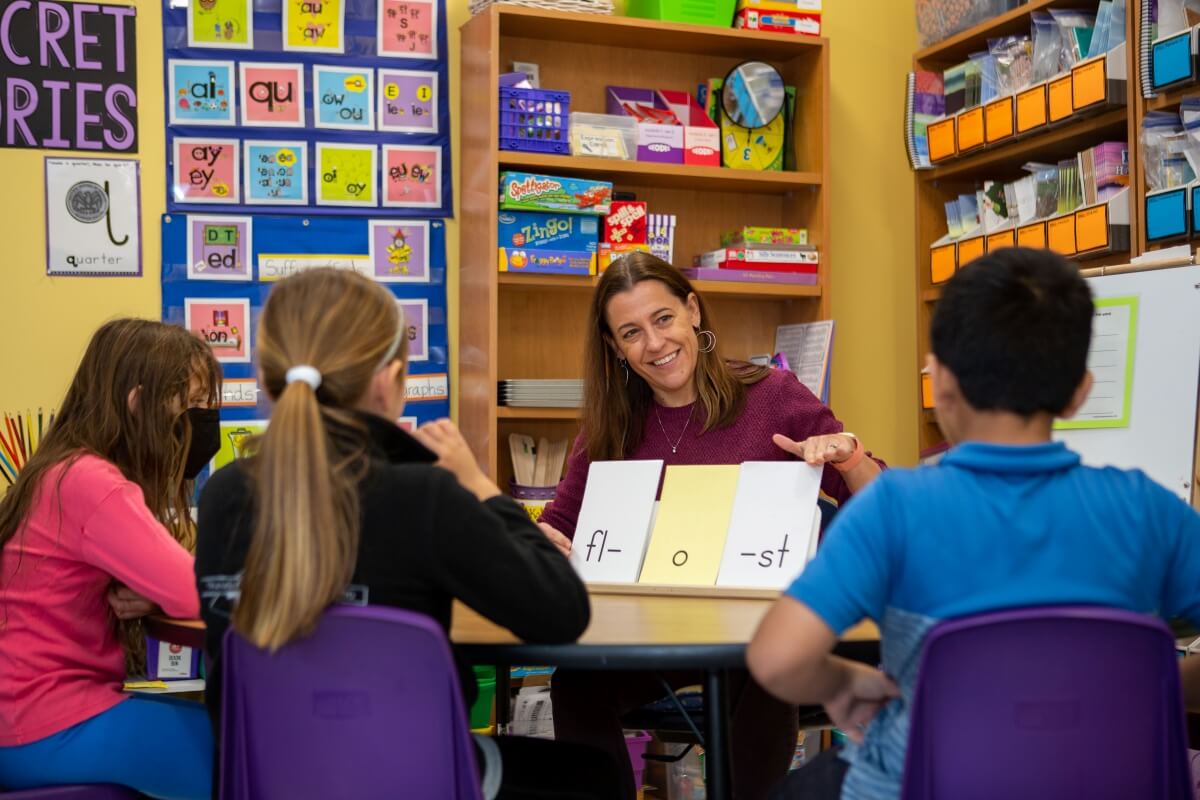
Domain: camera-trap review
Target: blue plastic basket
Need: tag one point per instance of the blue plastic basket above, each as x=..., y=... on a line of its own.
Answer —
x=535, y=120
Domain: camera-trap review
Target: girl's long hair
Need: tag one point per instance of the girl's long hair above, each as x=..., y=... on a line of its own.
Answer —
x=147, y=439
x=615, y=409
x=306, y=466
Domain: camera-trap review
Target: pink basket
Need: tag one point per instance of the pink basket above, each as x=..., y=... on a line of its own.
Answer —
x=636, y=744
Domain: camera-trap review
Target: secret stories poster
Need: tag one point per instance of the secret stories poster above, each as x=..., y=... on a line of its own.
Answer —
x=70, y=76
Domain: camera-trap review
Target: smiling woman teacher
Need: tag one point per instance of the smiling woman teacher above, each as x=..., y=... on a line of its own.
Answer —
x=656, y=387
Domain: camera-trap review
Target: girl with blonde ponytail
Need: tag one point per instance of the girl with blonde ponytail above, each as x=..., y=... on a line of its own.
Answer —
x=338, y=504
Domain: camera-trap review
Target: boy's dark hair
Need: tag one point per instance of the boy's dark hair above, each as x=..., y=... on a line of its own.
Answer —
x=1014, y=327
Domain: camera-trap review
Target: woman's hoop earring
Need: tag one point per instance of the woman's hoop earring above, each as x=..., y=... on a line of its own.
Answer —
x=624, y=369
x=712, y=341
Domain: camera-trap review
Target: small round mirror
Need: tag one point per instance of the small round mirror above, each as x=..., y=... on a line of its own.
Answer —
x=753, y=94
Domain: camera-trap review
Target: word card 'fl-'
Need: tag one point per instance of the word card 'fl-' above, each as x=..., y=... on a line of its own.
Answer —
x=614, y=521
x=772, y=528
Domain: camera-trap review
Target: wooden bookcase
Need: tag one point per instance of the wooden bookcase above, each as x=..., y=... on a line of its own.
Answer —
x=532, y=326
x=1003, y=162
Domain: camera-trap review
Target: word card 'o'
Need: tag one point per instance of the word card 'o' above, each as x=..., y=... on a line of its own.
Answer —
x=614, y=520
x=689, y=531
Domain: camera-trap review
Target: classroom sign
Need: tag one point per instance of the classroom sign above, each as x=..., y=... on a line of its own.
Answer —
x=93, y=217
x=70, y=76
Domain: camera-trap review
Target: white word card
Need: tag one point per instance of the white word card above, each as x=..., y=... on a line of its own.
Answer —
x=614, y=521
x=772, y=528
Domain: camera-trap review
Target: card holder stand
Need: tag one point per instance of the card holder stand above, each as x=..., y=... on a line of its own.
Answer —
x=1000, y=119
x=943, y=260
x=1173, y=59
x=1005, y=237
x=1100, y=83
x=969, y=130
x=1166, y=214
x=943, y=140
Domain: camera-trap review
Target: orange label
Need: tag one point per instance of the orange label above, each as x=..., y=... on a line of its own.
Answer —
x=1002, y=239
x=1089, y=84
x=926, y=390
x=970, y=129
x=941, y=263
x=1032, y=236
x=1091, y=228
x=941, y=140
x=969, y=250
x=1060, y=99
x=1031, y=108
x=999, y=114
x=1060, y=235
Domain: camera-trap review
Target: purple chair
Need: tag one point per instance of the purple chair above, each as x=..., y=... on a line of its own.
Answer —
x=368, y=706
x=90, y=792
x=1045, y=703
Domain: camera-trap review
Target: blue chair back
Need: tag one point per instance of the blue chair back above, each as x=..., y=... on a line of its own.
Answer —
x=1045, y=703
x=368, y=706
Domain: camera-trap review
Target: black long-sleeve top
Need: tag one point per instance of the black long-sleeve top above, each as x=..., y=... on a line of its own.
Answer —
x=425, y=541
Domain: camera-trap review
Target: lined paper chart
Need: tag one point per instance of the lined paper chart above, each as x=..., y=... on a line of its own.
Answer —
x=1110, y=358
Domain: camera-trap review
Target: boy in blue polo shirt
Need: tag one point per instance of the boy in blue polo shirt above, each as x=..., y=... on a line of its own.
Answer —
x=1008, y=518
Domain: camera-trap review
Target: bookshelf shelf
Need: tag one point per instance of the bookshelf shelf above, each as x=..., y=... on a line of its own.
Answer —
x=533, y=326
x=959, y=46
x=666, y=176
x=1054, y=143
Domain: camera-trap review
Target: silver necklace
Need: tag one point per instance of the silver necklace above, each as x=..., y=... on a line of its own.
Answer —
x=674, y=446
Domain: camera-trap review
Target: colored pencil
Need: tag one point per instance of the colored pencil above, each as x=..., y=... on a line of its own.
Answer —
x=7, y=470
x=5, y=446
x=39, y=425
x=15, y=439
x=29, y=432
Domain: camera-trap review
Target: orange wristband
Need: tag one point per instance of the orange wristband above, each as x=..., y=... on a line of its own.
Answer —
x=850, y=463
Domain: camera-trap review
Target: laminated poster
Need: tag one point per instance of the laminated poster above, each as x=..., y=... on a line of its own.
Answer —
x=205, y=170
x=344, y=98
x=345, y=174
x=408, y=101
x=407, y=29
x=314, y=26
x=220, y=23
x=201, y=92
x=412, y=176
x=219, y=248
x=276, y=172
x=399, y=250
x=93, y=217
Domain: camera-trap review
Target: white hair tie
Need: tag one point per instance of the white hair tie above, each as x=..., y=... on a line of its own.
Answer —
x=307, y=374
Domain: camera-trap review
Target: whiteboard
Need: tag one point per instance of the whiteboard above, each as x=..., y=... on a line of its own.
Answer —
x=1161, y=437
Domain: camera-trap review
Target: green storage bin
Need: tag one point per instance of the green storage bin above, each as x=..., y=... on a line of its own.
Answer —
x=697, y=12
x=481, y=712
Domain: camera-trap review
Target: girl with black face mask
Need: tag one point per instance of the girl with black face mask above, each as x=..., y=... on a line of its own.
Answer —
x=95, y=534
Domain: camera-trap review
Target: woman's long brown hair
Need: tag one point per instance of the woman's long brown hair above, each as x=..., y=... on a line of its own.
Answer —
x=146, y=440
x=615, y=409
x=305, y=471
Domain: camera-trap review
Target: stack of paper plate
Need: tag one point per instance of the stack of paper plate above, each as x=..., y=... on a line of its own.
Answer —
x=542, y=393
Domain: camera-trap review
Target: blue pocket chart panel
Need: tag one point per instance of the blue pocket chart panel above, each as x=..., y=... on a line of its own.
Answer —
x=244, y=121
x=1171, y=60
x=218, y=269
x=1166, y=215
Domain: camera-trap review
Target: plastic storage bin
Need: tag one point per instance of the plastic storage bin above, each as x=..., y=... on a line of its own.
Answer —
x=535, y=120
x=636, y=744
x=532, y=498
x=481, y=712
x=603, y=135
x=698, y=12
x=941, y=19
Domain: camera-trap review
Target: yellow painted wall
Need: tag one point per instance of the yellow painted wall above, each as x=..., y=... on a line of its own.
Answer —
x=48, y=320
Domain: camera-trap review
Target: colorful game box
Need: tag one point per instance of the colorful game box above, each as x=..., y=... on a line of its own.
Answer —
x=749, y=235
x=538, y=230
x=554, y=262
x=522, y=191
x=626, y=223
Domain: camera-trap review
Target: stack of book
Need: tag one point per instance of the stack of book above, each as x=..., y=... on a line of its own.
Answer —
x=759, y=255
x=541, y=393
